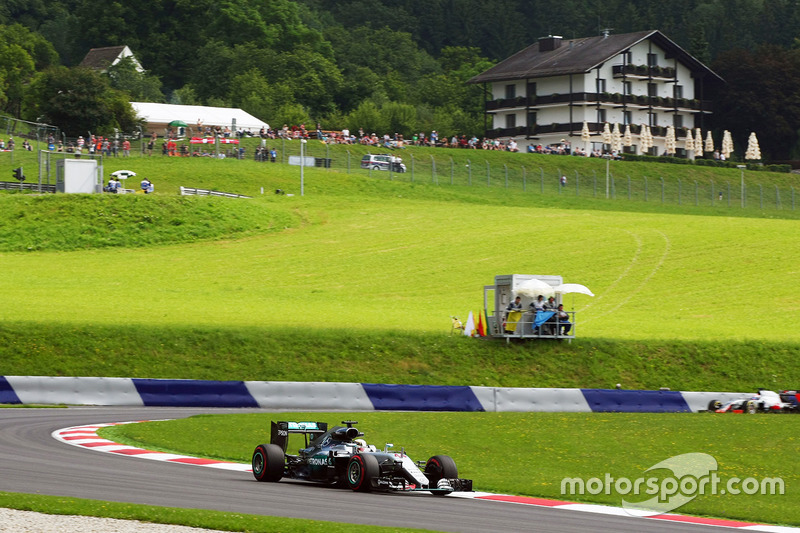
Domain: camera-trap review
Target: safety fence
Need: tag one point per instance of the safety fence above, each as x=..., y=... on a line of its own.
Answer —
x=609, y=182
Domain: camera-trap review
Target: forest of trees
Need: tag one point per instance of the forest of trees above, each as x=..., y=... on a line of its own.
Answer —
x=387, y=66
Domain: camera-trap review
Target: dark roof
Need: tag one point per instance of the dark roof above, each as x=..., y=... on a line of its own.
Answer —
x=578, y=56
x=101, y=58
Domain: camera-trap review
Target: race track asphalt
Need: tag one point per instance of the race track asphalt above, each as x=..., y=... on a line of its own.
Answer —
x=32, y=461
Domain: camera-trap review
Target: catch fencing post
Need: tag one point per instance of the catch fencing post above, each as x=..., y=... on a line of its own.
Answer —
x=712, y=193
x=488, y=175
x=662, y=189
x=505, y=171
x=412, y=168
x=541, y=186
x=645, y=188
x=433, y=171
x=679, y=192
x=452, y=170
x=469, y=172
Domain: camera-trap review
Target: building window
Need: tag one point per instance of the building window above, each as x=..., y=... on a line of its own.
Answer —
x=601, y=115
x=652, y=119
x=601, y=85
x=531, y=118
x=511, y=91
x=652, y=60
x=511, y=121
x=627, y=117
x=627, y=87
x=677, y=121
x=677, y=91
x=531, y=88
x=652, y=89
x=627, y=57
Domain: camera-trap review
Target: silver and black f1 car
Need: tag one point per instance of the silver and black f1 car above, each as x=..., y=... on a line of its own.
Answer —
x=337, y=456
x=764, y=401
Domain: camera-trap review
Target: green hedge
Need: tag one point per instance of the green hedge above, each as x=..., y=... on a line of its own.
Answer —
x=706, y=162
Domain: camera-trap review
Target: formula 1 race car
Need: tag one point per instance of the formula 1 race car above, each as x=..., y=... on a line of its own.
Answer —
x=765, y=401
x=339, y=457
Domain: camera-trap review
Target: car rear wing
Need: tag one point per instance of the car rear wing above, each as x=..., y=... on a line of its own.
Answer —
x=280, y=431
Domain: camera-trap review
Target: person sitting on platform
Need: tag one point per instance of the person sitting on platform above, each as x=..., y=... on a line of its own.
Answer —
x=562, y=317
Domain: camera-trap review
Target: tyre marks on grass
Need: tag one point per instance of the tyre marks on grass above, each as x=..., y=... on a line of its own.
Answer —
x=642, y=264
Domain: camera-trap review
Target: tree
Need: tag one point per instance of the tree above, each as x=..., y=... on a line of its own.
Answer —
x=22, y=53
x=139, y=86
x=78, y=101
x=763, y=96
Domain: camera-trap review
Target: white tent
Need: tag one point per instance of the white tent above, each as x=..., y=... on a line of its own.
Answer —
x=157, y=116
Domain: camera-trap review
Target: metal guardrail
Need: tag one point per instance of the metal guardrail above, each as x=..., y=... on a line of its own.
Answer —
x=17, y=186
x=189, y=191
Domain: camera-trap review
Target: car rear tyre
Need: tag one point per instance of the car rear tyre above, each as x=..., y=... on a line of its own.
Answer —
x=713, y=405
x=375, y=167
x=362, y=470
x=268, y=462
x=440, y=467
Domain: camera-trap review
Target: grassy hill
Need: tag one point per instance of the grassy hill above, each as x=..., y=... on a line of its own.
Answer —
x=356, y=279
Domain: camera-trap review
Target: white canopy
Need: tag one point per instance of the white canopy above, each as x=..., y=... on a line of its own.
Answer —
x=162, y=114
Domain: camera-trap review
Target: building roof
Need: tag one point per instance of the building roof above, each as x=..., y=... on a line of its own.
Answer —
x=102, y=58
x=578, y=56
x=154, y=113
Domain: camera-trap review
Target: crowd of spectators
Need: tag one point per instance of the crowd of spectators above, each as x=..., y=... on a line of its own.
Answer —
x=398, y=141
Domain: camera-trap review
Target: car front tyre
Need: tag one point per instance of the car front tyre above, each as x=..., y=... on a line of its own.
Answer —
x=362, y=469
x=440, y=467
x=268, y=462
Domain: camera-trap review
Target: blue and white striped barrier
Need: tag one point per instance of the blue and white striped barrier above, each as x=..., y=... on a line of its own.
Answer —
x=297, y=395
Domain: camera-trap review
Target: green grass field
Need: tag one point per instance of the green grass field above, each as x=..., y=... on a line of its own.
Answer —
x=530, y=453
x=356, y=281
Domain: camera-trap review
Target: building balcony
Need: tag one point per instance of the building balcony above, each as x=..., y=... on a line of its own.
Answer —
x=610, y=99
x=643, y=72
x=574, y=128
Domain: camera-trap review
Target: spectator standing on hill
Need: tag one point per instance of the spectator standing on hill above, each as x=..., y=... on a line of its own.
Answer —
x=516, y=305
x=126, y=148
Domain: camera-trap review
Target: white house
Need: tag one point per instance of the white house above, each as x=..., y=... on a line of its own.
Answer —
x=544, y=93
x=102, y=58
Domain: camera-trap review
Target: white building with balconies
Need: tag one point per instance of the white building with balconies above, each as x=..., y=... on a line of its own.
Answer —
x=543, y=94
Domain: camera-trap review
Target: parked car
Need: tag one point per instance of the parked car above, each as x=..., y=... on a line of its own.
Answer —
x=383, y=162
x=338, y=457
